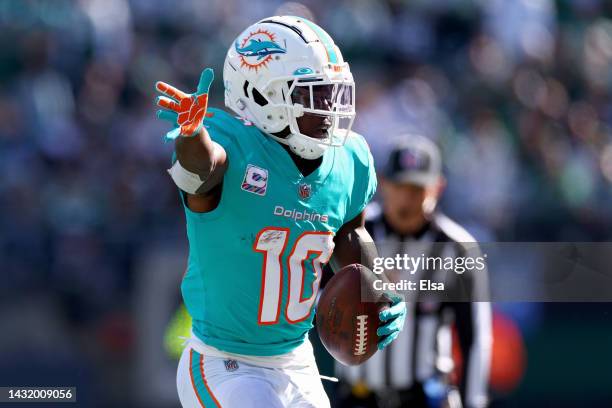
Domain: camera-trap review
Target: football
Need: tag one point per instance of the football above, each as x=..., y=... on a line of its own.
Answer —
x=346, y=325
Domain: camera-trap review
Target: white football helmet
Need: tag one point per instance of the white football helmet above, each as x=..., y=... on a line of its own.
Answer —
x=281, y=68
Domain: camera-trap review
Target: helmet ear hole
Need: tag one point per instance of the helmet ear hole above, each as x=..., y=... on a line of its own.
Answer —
x=259, y=98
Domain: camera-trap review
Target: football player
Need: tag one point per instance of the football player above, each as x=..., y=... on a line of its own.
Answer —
x=269, y=191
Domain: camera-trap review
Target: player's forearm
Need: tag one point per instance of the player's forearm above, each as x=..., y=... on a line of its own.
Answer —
x=200, y=155
x=196, y=153
x=353, y=245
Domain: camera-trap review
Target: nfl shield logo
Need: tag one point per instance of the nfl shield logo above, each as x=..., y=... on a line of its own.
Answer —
x=231, y=365
x=305, y=190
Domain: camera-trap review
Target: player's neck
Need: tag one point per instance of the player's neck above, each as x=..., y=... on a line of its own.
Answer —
x=305, y=166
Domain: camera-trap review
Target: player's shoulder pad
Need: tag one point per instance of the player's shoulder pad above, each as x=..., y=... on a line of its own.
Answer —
x=357, y=147
x=231, y=132
x=223, y=123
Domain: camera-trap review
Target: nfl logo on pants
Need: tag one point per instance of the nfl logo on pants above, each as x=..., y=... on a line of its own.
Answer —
x=231, y=365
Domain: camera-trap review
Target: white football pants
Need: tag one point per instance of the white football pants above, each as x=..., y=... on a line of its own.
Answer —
x=211, y=381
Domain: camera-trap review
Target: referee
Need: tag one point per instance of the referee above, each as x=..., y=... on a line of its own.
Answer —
x=415, y=370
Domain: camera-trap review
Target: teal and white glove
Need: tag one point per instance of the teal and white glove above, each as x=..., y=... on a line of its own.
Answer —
x=393, y=318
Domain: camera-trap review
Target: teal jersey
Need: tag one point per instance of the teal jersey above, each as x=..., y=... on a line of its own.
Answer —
x=255, y=261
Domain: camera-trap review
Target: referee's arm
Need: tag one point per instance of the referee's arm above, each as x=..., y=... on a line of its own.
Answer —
x=473, y=322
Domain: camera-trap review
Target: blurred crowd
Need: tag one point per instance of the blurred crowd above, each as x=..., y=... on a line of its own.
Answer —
x=516, y=93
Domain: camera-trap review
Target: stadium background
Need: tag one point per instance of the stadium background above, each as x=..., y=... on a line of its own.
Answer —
x=92, y=242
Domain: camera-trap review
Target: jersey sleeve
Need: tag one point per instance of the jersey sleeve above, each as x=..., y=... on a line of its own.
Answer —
x=365, y=183
x=225, y=130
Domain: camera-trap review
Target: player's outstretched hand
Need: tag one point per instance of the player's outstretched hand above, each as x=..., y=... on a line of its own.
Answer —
x=185, y=111
x=393, y=319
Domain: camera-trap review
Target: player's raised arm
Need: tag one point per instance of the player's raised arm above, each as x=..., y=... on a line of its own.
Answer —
x=201, y=162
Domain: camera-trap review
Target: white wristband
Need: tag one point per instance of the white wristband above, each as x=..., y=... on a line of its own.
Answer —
x=184, y=179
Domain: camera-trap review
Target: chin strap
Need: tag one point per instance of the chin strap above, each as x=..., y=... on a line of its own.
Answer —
x=302, y=146
x=306, y=148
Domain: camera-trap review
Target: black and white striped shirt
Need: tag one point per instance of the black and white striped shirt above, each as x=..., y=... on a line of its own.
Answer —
x=424, y=348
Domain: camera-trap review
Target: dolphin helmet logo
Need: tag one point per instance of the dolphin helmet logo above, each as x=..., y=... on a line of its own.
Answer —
x=257, y=48
x=260, y=49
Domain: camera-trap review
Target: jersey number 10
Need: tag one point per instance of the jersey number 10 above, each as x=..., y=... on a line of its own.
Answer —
x=272, y=242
